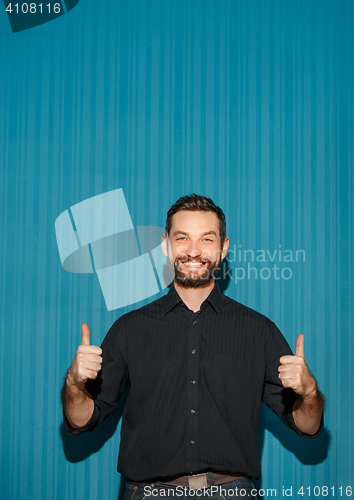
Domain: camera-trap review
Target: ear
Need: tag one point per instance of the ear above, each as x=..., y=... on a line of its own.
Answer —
x=164, y=244
x=225, y=248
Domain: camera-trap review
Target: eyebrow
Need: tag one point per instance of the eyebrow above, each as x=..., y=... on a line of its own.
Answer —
x=203, y=234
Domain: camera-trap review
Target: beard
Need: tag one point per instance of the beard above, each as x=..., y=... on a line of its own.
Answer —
x=194, y=278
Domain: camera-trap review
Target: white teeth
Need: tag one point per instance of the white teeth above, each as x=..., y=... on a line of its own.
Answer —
x=193, y=264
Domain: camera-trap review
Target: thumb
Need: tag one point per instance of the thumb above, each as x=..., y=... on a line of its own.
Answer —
x=85, y=335
x=300, y=346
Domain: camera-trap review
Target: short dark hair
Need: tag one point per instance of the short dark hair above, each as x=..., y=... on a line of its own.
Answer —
x=194, y=202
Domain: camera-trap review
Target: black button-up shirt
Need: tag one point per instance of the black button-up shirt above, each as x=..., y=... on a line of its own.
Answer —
x=196, y=384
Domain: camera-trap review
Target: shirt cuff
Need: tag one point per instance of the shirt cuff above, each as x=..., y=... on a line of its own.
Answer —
x=91, y=424
x=292, y=425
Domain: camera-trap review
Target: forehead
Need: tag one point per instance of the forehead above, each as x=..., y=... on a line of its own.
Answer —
x=194, y=222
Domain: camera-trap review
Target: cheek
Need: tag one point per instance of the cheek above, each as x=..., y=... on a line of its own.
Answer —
x=179, y=250
x=215, y=254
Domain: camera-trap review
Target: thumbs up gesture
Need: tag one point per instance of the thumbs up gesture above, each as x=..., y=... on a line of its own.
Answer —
x=87, y=361
x=293, y=371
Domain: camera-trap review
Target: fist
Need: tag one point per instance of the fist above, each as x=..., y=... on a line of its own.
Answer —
x=87, y=361
x=293, y=371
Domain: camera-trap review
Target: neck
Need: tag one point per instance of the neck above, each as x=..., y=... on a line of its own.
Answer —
x=194, y=297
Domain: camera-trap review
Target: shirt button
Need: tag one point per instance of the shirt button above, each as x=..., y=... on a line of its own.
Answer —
x=195, y=322
x=193, y=351
x=192, y=442
x=192, y=381
x=192, y=411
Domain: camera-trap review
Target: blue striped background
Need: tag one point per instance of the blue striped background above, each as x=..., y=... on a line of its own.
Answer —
x=247, y=101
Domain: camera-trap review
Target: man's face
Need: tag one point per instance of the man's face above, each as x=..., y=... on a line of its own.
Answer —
x=194, y=247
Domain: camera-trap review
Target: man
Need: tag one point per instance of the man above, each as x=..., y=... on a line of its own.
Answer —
x=198, y=365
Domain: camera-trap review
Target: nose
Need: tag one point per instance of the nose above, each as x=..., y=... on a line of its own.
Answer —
x=193, y=250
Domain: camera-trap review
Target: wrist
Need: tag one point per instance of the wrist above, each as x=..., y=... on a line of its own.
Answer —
x=310, y=395
x=72, y=384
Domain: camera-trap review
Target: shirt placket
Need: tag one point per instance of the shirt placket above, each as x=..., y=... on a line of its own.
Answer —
x=192, y=394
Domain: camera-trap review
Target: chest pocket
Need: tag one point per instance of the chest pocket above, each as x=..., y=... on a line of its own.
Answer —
x=231, y=379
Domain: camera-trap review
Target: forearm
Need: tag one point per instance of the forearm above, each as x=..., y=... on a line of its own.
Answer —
x=307, y=412
x=77, y=403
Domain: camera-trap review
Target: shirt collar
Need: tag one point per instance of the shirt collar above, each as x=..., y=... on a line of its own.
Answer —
x=215, y=299
x=172, y=299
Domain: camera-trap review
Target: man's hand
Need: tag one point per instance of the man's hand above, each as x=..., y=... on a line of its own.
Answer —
x=77, y=402
x=87, y=361
x=293, y=371
x=308, y=408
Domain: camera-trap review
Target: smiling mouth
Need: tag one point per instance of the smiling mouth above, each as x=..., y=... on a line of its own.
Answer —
x=192, y=264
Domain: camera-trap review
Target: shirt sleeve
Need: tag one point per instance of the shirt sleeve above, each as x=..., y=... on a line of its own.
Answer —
x=279, y=399
x=109, y=385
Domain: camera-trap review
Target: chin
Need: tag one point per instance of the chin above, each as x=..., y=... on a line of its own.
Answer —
x=193, y=281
